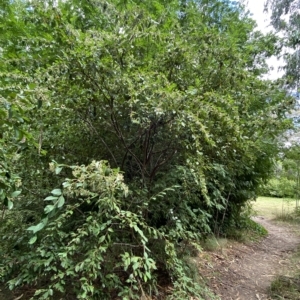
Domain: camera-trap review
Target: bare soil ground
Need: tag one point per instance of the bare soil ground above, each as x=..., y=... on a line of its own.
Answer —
x=245, y=272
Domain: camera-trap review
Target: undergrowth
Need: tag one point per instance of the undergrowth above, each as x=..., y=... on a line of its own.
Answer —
x=290, y=217
x=288, y=286
x=244, y=229
x=285, y=287
x=248, y=233
x=251, y=233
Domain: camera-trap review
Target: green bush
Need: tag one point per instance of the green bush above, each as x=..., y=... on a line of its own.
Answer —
x=160, y=106
x=281, y=188
x=89, y=245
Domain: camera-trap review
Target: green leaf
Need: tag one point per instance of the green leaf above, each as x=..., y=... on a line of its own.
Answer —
x=135, y=265
x=32, y=85
x=37, y=227
x=58, y=170
x=66, y=184
x=148, y=274
x=15, y=194
x=56, y=192
x=49, y=198
x=61, y=201
x=32, y=240
x=10, y=204
x=48, y=208
x=101, y=239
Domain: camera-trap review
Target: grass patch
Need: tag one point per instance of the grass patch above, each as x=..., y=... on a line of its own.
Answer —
x=248, y=233
x=281, y=209
x=292, y=217
x=271, y=208
x=285, y=287
x=213, y=244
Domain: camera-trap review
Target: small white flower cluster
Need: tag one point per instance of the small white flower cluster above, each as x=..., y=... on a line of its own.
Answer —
x=172, y=215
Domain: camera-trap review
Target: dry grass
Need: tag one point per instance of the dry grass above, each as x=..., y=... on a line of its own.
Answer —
x=273, y=207
x=287, y=283
x=214, y=244
x=287, y=286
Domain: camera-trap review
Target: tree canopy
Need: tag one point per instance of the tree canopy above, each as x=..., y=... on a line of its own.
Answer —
x=285, y=18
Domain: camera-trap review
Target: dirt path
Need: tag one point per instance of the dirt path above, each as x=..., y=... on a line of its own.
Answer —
x=246, y=272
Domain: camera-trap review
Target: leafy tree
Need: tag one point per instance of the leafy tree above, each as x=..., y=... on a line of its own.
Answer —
x=15, y=90
x=286, y=180
x=285, y=18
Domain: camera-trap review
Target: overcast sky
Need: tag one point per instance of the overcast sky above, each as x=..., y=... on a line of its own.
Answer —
x=256, y=7
x=262, y=19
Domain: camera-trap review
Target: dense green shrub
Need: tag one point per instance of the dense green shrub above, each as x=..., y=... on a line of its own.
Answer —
x=285, y=181
x=160, y=109
x=279, y=187
x=89, y=244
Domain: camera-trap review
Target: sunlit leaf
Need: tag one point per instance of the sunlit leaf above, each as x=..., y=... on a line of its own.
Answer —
x=33, y=240
x=56, y=192
x=61, y=201
x=15, y=194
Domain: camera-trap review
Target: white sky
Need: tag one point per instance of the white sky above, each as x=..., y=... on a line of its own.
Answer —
x=256, y=7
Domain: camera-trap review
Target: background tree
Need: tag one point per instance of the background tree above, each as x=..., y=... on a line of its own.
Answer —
x=285, y=18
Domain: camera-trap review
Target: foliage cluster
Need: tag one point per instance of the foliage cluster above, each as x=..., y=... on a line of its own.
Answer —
x=285, y=18
x=162, y=129
x=279, y=187
x=287, y=286
x=285, y=182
